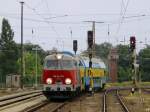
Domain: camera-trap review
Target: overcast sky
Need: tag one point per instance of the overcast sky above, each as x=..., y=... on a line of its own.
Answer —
x=50, y=22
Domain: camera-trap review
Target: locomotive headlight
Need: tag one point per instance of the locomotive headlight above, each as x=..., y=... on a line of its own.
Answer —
x=59, y=56
x=49, y=80
x=68, y=81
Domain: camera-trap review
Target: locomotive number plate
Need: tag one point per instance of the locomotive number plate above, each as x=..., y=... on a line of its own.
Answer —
x=57, y=76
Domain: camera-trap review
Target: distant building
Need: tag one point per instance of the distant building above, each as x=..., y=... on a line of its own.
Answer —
x=13, y=81
x=112, y=65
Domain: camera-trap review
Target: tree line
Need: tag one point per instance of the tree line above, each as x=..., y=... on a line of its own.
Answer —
x=10, y=56
x=124, y=61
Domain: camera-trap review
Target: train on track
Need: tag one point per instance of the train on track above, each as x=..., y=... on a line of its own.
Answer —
x=66, y=75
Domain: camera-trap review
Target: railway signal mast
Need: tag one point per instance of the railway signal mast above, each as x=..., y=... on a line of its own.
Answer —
x=134, y=64
x=93, y=34
x=90, y=46
x=90, y=42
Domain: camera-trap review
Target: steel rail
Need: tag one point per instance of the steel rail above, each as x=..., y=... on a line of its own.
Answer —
x=18, y=99
x=58, y=107
x=36, y=107
x=8, y=97
x=42, y=104
x=104, y=108
x=121, y=102
x=104, y=102
x=53, y=107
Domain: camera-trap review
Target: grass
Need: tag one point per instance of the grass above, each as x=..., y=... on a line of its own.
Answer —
x=125, y=84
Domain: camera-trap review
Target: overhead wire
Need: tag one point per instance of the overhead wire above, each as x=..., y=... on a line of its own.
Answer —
x=81, y=22
x=123, y=5
x=38, y=4
x=124, y=8
x=34, y=10
x=122, y=15
x=77, y=22
x=48, y=9
x=47, y=21
x=92, y=14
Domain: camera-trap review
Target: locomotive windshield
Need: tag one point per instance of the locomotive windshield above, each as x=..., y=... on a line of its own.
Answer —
x=60, y=64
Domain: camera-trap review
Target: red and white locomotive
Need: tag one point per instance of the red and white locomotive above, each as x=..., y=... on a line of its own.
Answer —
x=61, y=76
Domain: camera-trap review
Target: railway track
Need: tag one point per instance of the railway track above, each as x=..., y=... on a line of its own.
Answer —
x=11, y=101
x=50, y=106
x=8, y=97
x=46, y=106
x=125, y=108
x=6, y=103
x=119, y=105
x=53, y=106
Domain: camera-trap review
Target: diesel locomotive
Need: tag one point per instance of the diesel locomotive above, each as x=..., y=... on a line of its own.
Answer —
x=66, y=75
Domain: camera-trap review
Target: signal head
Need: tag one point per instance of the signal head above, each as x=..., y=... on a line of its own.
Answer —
x=90, y=39
x=132, y=43
x=90, y=64
x=75, y=45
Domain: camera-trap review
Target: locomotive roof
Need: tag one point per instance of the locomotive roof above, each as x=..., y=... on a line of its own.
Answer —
x=64, y=56
x=96, y=62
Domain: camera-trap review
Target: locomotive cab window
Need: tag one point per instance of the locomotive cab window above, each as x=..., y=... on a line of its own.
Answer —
x=59, y=64
x=68, y=64
x=52, y=64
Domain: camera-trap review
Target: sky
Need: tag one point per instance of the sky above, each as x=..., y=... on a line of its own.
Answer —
x=56, y=23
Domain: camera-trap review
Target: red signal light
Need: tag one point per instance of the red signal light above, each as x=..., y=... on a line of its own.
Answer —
x=132, y=43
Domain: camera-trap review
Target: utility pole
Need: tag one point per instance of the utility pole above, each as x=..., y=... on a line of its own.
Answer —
x=36, y=64
x=93, y=29
x=22, y=65
x=135, y=68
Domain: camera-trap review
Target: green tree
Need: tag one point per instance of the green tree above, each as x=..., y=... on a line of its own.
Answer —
x=30, y=62
x=30, y=67
x=41, y=53
x=124, y=65
x=9, y=51
x=102, y=50
x=144, y=61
